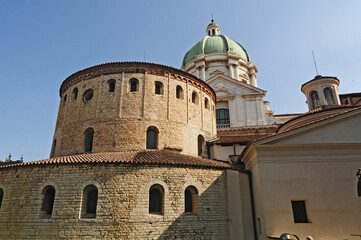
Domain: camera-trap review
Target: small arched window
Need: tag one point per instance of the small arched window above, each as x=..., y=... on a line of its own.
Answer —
x=75, y=93
x=206, y=103
x=48, y=201
x=156, y=199
x=133, y=85
x=191, y=200
x=179, y=92
x=315, y=100
x=52, y=153
x=328, y=96
x=213, y=32
x=89, y=201
x=88, y=140
x=1, y=196
x=111, y=85
x=194, y=98
x=346, y=102
x=158, y=87
x=201, y=145
x=152, y=138
x=64, y=99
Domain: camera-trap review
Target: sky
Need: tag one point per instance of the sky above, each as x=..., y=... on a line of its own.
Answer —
x=43, y=42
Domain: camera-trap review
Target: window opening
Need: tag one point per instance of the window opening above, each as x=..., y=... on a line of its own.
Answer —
x=134, y=84
x=315, y=100
x=206, y=103
x=191, y=200
x=195, y=98
x=328, y=96
x=48, y=201
x=200, y=145
x=88, y=95
x=1, y=196
x=222, y=118
x=213, y=32
x=64, y=100
x=90, y=201
x=111, y=85
x=152, y=138
x=299, y=211
x=158, y=88
x=88, y=140
x=179, y=92
x=75, y=93
x=156, y=199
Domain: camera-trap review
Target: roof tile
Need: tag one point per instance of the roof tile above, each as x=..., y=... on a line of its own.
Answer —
x=162, y=157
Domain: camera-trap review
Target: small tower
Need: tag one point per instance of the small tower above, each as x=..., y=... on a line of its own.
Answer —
x=321, y=91
x=213, y=29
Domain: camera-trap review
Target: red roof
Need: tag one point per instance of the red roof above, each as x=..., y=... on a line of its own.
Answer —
x=137, y=157
x=240, y=139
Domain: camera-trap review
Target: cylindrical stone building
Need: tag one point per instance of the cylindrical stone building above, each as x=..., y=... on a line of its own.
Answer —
x=124, y=106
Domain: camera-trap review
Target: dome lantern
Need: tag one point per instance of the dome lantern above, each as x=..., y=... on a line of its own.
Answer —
x=213, y=29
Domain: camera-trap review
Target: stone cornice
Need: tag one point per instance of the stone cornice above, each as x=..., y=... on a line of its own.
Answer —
x=136, y=67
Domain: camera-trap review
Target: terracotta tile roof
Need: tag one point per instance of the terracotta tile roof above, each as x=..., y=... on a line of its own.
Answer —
x=240, y=139
x=314, y=116
x=319, y=77
x=137, y=157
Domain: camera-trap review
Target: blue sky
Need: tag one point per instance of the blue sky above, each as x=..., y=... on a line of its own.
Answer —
x=43, y=42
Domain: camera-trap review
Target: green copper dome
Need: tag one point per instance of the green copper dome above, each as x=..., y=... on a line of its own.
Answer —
x=214, y=44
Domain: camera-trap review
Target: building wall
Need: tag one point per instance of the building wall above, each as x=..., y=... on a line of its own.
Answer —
x=120, y=118
x=324, y=178
x=123, y=198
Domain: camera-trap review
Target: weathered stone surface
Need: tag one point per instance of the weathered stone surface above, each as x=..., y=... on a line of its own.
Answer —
x=122, y=210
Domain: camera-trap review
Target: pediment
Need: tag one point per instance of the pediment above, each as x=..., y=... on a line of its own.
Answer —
x=222, y=83
x=340, y=129
x=216, y=72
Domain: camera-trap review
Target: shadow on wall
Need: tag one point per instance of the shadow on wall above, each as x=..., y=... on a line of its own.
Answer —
x=207, y=218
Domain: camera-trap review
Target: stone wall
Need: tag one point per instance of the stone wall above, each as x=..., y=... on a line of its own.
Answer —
x=123, y=198
x=120, y=118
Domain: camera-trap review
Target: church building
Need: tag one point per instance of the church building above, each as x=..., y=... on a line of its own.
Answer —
x=147, y=151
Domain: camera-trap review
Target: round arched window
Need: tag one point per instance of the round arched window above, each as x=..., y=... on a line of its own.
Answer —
x=88, y=95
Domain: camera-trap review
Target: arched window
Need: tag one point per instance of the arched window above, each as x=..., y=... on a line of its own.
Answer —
x=156, y=199
x=89, y=201
x=48, y=201
x=64, y=99
x=52, y=153
x=152, y=138
x=206, y=103
x=88, y=140
x=328, y=96
x=315, y=100
x=75, y=93
x=1, y=196
x=222, y=117
x=200, y=145
x=179, y=92
x=158, y=87
x=88, y=95
x=111, y=85
x=133, y=85
x=191, y=200
x=346, y=102
x=213, y=32
x=194, y=97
